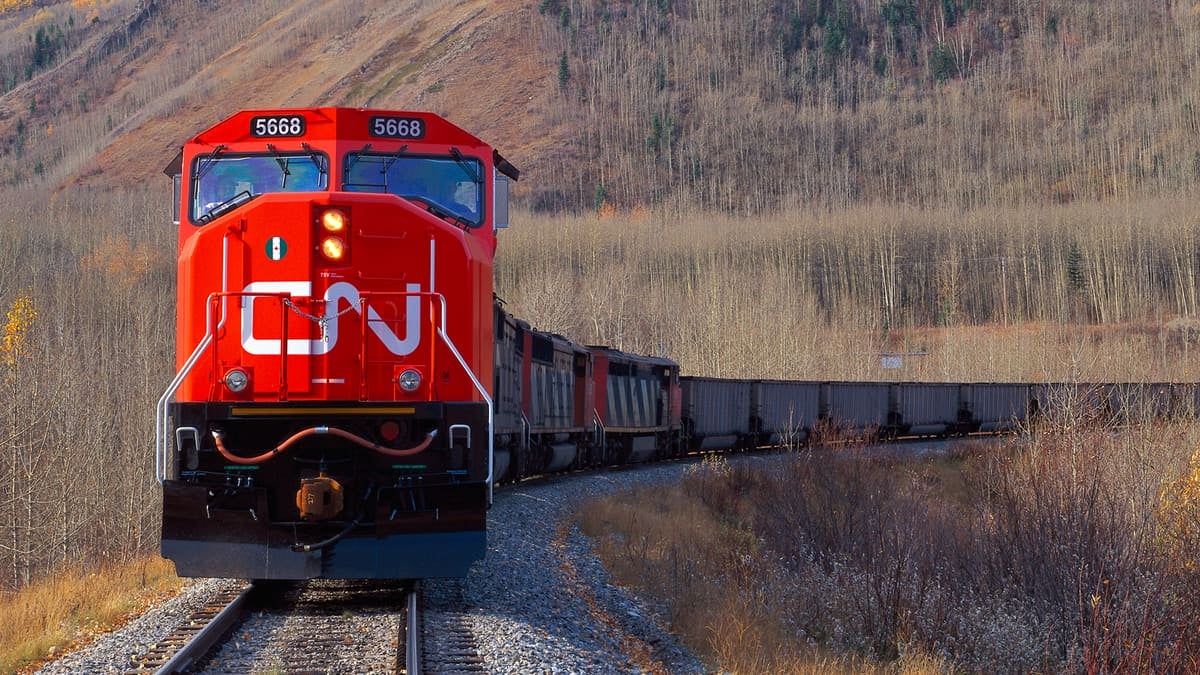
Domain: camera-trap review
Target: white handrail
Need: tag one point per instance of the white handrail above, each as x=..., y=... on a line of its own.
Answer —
x=162, y=433
x=162, y=449
x=482, y=392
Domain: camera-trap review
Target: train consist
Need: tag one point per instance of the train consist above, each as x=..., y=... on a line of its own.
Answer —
x=349, y=390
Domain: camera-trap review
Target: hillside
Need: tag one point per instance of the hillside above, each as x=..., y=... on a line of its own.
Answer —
x=132, y=79
x=827, y=104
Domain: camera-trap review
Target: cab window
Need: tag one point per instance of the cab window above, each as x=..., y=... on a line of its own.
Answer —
x=449, y=186
x=221, y=183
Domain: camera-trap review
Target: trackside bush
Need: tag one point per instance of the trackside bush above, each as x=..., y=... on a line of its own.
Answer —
x=1069, y=549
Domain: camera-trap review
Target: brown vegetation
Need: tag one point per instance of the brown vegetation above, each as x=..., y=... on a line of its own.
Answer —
x=939, y=104
x=48, y=617
x=110, y=96
x=984, y=295
x=86, y=348
x=1046, y=554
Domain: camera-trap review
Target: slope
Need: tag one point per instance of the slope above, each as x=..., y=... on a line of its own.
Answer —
x=142, y=76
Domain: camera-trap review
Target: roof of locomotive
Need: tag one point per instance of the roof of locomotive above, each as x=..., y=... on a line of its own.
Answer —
x=327, y=124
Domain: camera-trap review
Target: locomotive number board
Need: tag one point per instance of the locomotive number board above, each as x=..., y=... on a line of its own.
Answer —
x=397, y=127
x=277, y=126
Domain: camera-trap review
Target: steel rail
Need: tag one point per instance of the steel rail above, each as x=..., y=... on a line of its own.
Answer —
x=207, y=637
x=412, y=641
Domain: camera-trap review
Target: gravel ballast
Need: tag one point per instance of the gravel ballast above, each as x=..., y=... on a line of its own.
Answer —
x=540, y=602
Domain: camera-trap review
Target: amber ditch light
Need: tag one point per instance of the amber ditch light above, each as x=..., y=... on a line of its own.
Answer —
x=333, y=248
x=334, y=222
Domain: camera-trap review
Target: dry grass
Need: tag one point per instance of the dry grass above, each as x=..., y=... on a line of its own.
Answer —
x=704, y=562
x=982, y=295
x=1062, y=551
x=70, y=607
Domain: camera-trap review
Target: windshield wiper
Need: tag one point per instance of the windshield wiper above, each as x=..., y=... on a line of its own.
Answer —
x=353, y=159
x=465, y=165
x=318, y=160
x=226, y=206
x=283, y=165
x=387, y=163
x=443, y=212
x=209, y=162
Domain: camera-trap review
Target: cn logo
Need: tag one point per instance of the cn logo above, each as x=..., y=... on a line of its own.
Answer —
x=333, y=304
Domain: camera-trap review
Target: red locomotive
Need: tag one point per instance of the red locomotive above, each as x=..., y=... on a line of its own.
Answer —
x=332, y=412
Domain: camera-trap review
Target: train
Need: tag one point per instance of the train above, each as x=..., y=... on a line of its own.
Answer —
x=349, y=389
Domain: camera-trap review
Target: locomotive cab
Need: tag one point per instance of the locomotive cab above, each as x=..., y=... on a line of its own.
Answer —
x=332, y=412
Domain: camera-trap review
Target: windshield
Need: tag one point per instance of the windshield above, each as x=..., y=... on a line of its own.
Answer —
x=221, y=183
x=450, y=186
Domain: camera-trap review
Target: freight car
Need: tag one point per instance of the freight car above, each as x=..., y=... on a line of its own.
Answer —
x=561, y=405
x=731, y=413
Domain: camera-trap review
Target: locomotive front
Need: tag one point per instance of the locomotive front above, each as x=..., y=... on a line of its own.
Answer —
x=331, y=416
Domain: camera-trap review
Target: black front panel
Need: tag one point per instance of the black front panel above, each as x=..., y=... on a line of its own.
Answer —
x=215, y=500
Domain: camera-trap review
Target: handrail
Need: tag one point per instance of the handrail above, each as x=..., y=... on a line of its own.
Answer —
x=599, y=434
x=482, y=392
x=162, y=450
x=434, y=319
x=161, y=432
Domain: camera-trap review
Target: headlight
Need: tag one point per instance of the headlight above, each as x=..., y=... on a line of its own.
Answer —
x=334, y=220
x=236, y=380
x=333, y=248
x=409, y=380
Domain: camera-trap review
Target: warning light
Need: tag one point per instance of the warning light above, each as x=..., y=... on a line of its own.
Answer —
x=333, y=248
x=334, y=220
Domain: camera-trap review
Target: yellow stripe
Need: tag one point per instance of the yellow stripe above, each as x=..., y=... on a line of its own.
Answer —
x=324, y=411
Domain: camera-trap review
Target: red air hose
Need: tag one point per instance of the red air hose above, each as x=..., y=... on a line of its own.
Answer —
x=315, y=431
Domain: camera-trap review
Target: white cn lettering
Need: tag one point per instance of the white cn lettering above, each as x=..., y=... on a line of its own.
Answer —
x=333, y=303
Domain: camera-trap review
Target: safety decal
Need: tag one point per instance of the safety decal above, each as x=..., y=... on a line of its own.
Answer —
x=276, y=248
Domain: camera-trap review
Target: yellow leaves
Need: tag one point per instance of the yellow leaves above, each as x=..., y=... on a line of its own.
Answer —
x=123, y=264
x=13, y=5
x=17, y=323
x=40, y=18
x=1179, y=514
x=93, y=5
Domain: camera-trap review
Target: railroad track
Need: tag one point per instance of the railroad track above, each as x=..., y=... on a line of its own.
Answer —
x=202, y=631
x=316, y=626
x=444, y=631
